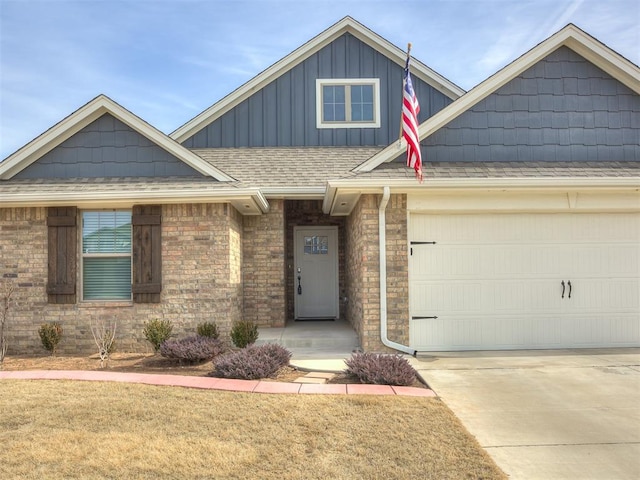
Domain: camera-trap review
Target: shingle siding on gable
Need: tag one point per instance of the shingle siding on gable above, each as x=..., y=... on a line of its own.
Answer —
x=107, y=148
x=284, y=112
x=562, y=109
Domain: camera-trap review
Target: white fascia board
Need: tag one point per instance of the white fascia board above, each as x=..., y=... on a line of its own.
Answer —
x=256, y=200
x=88, y=113
x=503, y=183
x=268, y=75
x=570, y=36
x=302, y=193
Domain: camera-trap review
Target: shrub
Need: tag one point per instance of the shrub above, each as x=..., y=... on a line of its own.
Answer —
x=192, y=349
x=244, y=333
x=253, y=362
x=7, y=288
x=157, y=331
x=50, y=335
x=380, y=369
x=104, y=336
x=208, y=329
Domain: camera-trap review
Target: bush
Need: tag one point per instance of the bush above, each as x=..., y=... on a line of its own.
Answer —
x=192, y=349
x=104, y=336
x=244, y=333
x=7, y=288
x=253, y=362
x=380, y=369
x=50, y=335
x=208, y=329
x=157, y=331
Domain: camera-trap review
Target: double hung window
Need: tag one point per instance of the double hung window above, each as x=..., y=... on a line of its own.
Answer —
x=106, y=255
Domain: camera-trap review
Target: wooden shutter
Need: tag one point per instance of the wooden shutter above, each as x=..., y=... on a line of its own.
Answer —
x=62, y=254
x=147, y=253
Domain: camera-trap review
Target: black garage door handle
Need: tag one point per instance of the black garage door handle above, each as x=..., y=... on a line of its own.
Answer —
x=562, y=283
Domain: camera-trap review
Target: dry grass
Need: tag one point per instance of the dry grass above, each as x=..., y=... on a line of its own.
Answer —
x=64, y=429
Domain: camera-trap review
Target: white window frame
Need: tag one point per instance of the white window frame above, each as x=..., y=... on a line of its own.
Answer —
x=347, y=82
x=84, y=255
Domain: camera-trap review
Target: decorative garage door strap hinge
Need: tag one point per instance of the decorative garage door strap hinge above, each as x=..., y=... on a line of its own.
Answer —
x=420, y=243
x=423, y=318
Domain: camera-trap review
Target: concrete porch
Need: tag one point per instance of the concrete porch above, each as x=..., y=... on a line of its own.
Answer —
x=323, y=344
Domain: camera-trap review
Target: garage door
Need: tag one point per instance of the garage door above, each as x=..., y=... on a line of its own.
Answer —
x=512, y=281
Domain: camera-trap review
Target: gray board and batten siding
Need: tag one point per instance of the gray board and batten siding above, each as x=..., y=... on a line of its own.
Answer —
x=283, y=113
x=107, y=148
x=562, y=109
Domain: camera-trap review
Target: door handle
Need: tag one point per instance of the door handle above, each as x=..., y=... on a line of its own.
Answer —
x=561, y=283
x=569, y=284
x=299, y=286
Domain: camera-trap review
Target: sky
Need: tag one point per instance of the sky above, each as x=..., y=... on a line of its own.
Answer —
x=168, y=60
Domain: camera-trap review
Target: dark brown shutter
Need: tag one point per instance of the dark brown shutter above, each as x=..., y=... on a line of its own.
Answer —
x=147, y=253
x=62, y=254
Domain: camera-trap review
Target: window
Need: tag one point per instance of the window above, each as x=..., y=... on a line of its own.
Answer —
x=106, y=255
x=348, y=103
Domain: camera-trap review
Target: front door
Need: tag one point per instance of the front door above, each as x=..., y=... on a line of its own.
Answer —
x=316, y=272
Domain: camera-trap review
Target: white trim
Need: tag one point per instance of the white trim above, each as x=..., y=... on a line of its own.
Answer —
x=570, y=36
x=466, y=186
x=346, y=25
x=108, y=198
x=88, y=113
x=347, y=82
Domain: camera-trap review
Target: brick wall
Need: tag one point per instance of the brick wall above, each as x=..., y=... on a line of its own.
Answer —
x=201, y=280
x=263, y=249
x=363, y=280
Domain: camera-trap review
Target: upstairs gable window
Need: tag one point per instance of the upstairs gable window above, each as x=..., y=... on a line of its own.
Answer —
x=348, y=103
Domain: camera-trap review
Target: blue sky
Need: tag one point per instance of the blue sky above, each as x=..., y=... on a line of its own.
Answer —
x=168, y=60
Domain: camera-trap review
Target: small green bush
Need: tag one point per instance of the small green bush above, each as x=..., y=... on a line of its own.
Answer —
x=157, y=331
x=50, y=335
x=253, y=362
x=193, y=349
x=380, y=369
x=244, y=333
x=208, y=329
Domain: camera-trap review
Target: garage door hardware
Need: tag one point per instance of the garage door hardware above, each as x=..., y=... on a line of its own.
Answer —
x=423, y=318
x=420, y=243
x=563, y=288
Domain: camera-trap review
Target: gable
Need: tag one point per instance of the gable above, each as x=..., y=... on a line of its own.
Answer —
x=283, y=113
x=561, y=109
x=577, y=53
x=83, y=117
x=106, y=147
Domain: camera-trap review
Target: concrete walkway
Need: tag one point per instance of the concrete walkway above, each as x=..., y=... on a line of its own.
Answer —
x=211, y=383
x=555, y=414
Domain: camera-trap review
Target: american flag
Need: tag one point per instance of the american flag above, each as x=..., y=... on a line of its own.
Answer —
x=410, y=110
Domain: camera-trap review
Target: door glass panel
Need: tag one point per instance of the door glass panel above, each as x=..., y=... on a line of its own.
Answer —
x=316, y=245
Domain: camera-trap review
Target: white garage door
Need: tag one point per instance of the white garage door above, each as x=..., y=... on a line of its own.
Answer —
x=512, y=281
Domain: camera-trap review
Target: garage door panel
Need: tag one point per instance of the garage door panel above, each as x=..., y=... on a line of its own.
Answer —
x=494, y=281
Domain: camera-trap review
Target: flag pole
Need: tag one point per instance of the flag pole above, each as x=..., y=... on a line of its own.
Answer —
x=402, y=97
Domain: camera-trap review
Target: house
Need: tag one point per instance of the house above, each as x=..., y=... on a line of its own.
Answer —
x=289, y=199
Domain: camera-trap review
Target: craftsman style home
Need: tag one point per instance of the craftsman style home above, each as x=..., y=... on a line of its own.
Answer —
x=290, y=199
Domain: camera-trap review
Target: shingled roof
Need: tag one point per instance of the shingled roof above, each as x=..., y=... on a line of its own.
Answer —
x=294, y=167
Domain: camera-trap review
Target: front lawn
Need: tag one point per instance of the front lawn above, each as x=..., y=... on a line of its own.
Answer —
x=65, y=429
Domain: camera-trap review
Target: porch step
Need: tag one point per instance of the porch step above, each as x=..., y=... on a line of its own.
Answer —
x=331, y=338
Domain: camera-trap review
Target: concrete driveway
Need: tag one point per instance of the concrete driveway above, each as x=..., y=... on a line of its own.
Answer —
x=552, y=414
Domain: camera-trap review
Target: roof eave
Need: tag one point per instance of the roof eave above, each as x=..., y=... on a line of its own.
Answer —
x=248, y=201
x=342, y=195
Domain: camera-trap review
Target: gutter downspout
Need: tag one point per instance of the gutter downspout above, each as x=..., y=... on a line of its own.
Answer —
x=382, y=235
